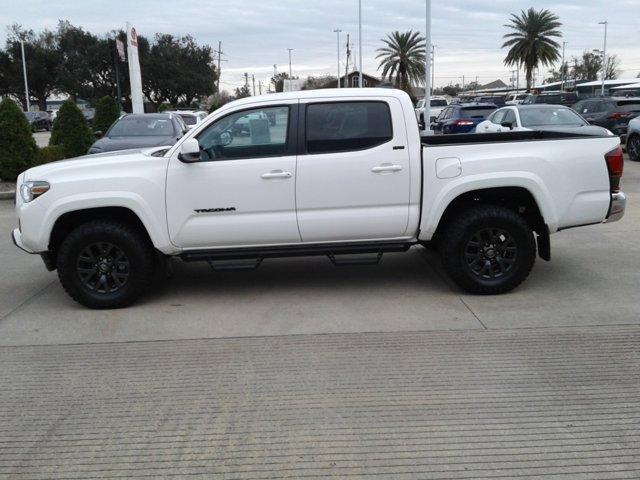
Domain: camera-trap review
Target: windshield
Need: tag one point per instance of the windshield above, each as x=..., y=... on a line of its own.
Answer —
x=139, y=126
x=31, y=115
x=189, y=119
x=538, y=117
x=438, y=103
x=476, y=112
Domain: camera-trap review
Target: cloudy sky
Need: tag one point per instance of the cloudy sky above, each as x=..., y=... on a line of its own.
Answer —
x=255, y=34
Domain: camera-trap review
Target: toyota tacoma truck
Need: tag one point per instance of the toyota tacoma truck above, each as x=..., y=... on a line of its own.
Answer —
x=342, y=173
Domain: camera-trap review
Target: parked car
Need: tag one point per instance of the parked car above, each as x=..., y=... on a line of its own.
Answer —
x=462, y=117
x=552, y=98
x=633, y=140
x=497, y=100
x=437, y=105
x=343, y=172
x=190, y=118
x=521, y=118
x=141, y=131
x=39, y=120
x=89, y=114
x=613, y=113
x=515, y=98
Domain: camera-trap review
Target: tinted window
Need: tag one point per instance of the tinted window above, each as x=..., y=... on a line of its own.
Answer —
x=476, y=112
x=549, y=99
x=629, y=106
x=246, y=134
x=438, y=103
x=344, y=126
x=189, y=119
x=141, y=126
x=561, y=116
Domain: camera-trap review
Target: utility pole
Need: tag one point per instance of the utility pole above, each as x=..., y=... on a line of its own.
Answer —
x=253, y=79
x=427, y=67
x=463, y=83
x=246, y=80
x=346, y=72
x=518, y=79
x=24, y=71
x=360, y=41
x=260, y=86
x=433, y=67
x=275, y=70
x=564, y=44
x=604, y=56
x=290, y=70
x=337, y=31
x=219, y=59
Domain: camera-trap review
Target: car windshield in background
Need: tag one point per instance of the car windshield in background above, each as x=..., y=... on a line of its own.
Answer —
x=142, y=127
x=538, y=117
x=31, y=115
x=189, y=119
x=476, y=112
x=438, y=103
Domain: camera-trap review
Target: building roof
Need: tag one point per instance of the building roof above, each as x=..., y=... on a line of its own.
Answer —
x=617, y=81
x=633, y=85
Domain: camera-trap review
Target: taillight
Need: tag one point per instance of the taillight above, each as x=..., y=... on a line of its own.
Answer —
x=463, y=122
x=615, y=165
x=618, y=115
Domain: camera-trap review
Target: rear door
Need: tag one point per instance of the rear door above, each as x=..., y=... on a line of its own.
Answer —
x=353, y=177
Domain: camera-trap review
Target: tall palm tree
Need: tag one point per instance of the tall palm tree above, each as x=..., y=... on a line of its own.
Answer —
x=531, y=41
x=402, y=59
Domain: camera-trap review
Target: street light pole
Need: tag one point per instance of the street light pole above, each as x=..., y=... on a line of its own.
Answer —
x=604, y=56
x=360, y=41
x=290, y=74
x=564, y=44
x=24, y=71
x=337, y=31
x=427, y=67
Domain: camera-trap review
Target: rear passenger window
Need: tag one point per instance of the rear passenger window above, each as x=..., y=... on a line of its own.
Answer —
x=346, y=126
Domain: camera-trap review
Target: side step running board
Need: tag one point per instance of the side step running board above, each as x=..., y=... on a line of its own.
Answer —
x=251, y=258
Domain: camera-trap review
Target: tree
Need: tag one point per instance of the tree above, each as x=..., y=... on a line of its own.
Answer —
x=402, y=59
x=323, y=81
x=559, y=74
x=278, y=81
x=42, y=59
x=531, y=43
x=589, y=67
x=17, y=146
x=242, y=92
x=70, y=130
x=107, y=112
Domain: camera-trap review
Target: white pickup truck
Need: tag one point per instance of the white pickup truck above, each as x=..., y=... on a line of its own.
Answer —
x=342, y=173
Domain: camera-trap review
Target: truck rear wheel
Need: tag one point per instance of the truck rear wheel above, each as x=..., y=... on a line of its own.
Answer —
x=488, y=249
x=105, y=264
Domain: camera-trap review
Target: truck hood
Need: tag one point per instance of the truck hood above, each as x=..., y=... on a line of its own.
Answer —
x=99, y=161
x=110, y=144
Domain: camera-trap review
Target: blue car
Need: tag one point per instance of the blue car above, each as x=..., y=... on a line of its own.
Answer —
x=462, y=117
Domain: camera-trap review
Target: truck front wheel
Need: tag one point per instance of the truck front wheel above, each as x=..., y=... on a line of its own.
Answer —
x=488, y=249
x=105, y=264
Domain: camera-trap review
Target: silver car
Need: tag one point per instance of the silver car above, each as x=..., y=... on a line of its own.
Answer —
x=633, y=139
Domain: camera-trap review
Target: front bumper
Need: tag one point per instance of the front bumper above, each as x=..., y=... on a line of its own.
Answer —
x=16, y=236
x=618, y=205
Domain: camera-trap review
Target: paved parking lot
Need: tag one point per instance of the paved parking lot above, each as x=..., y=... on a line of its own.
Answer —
x=301, y=369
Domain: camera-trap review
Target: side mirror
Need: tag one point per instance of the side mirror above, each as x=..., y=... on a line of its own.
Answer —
x=98, y=133
x=508, y=125
x=189, y=151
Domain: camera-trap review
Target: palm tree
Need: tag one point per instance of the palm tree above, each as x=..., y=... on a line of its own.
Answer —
x=531, y=41
x=402, y=59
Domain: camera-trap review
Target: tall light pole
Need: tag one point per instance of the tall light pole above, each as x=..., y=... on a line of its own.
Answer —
x=337, y=31
x=360, y=41
x=604, y=55
x=290, y=74
x=24, y=71
x=564, y=44
x=433, y=67
x=427, y=67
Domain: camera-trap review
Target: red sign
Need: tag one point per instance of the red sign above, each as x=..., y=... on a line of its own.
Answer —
x=134, y=37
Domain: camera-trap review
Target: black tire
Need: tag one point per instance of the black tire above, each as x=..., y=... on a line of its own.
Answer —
x=121, y=249
x=633, y=147
x=488, y=249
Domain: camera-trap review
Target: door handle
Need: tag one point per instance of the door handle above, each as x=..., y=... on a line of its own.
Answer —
x=274, y=174
x=386, y=168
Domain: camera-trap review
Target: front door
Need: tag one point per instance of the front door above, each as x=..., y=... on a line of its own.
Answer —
x=242, y=191
x=353, y=179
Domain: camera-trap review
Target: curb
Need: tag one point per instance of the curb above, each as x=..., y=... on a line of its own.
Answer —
x=7, y=195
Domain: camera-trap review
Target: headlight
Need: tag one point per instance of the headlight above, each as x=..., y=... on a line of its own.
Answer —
x=31, y=190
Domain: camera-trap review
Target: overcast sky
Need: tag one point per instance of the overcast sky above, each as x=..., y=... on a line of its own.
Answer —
x=255, y=35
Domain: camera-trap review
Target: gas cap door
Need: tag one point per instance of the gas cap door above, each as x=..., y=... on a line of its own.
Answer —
x=448, y=167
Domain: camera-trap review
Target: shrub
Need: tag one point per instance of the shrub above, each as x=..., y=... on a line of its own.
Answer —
x=70, y=131
x=107, y=112
x=17, y=146
x=49, y=154
x=163, y=107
